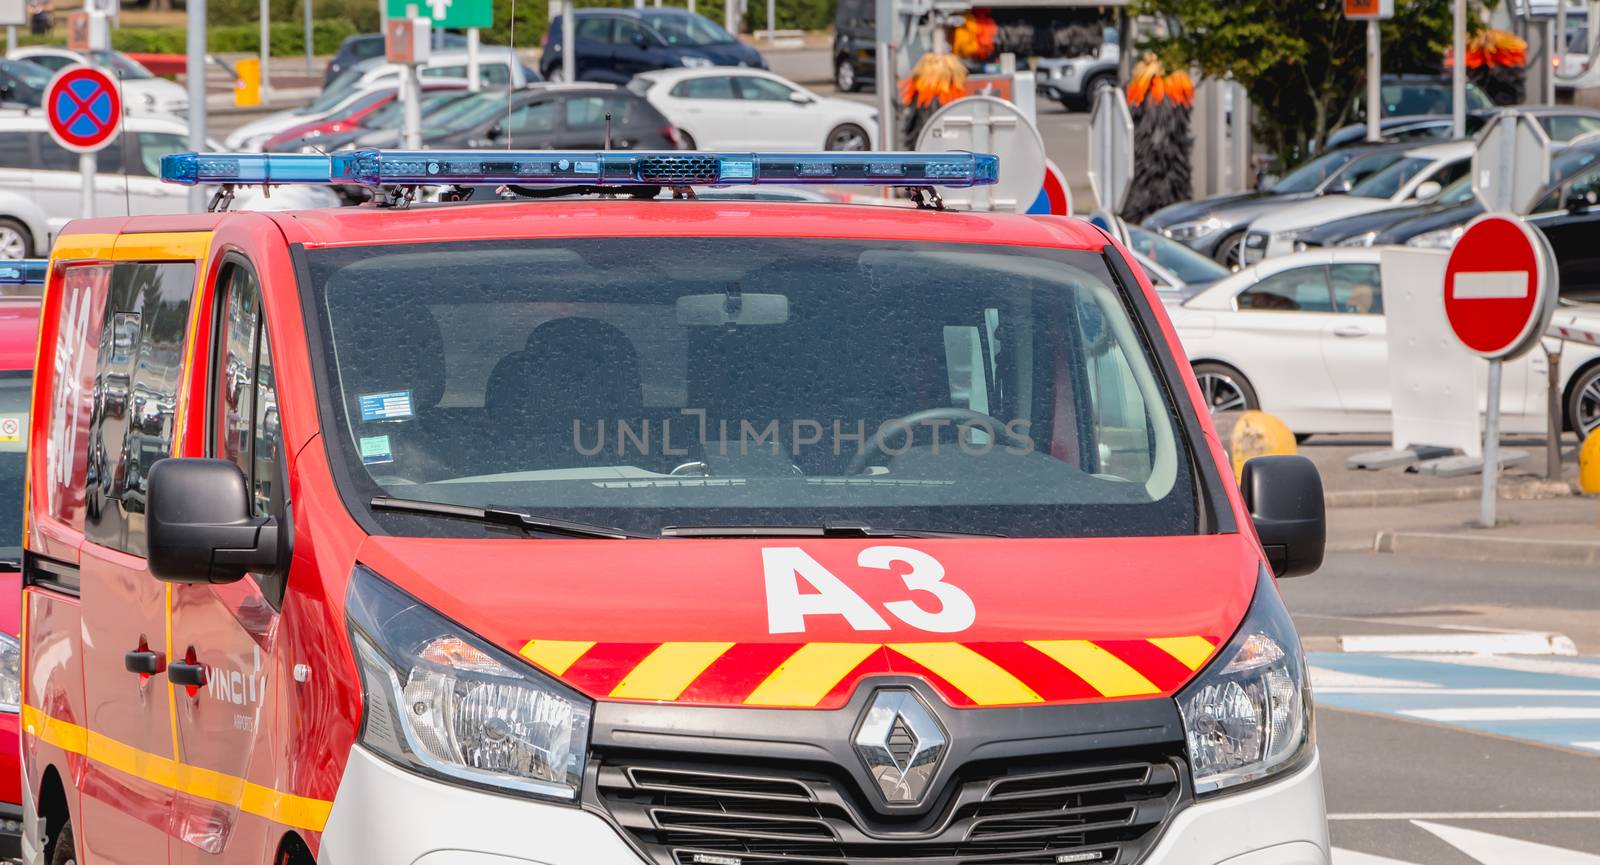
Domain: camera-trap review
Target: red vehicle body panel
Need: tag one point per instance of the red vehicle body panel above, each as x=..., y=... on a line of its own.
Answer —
x=1117, y=593
x=19, y=332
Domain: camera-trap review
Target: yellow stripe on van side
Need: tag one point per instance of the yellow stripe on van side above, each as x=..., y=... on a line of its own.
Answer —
x=1104, y=672
x=162, y=246
x=987, y=683
x=69, y=247
x=667, y=670
x=809, y=674
x=1190, y=651
x=555, y=656
x=286, y=809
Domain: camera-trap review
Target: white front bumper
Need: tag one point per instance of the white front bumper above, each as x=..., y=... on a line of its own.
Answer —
x=383, y=814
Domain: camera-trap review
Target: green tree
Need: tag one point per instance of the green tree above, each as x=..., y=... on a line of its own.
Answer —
x=1303, y=64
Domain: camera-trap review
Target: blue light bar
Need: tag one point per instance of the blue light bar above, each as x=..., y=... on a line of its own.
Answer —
x=659, y=168
x=245, y=168
x=25, y=271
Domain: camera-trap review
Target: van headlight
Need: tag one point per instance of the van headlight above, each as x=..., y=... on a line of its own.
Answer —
x=10, y=674
x=1248, y=715
x=441, y=701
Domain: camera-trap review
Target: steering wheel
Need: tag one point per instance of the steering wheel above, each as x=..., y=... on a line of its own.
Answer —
x=960, y=417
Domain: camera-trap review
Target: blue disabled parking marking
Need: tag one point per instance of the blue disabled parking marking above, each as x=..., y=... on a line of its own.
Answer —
x=1506, y=698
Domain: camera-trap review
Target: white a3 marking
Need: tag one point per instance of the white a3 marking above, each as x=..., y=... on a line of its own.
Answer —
x=788, y=606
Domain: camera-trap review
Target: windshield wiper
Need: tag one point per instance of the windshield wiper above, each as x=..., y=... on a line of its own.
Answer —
x=502, y=517
x=826, y=530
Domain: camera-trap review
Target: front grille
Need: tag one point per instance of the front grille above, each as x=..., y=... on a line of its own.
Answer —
x=679, y=169
x=1105, y=809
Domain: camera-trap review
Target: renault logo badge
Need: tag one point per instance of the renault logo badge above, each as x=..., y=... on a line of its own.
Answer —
x=902, y=745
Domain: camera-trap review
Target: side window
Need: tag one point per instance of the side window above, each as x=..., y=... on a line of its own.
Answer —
x=494, y=73
x=597, y=28
x=763, y=90
x=627, y=32
x=135, y=396
x=537, y=117
x=1357, y=289
x=54, y=157
x=1303, y=289
x=243, y=397
x=1453, y=172
x=1565, y=127
x=589, y=112
x=713, y=87
x=16, y=150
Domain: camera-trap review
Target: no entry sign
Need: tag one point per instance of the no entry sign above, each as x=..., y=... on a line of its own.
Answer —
x=84, y=108
x=1499, y=287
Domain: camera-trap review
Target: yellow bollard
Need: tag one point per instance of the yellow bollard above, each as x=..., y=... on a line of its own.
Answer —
x=1589, y=464
x=1258, y=434
x=247, y=87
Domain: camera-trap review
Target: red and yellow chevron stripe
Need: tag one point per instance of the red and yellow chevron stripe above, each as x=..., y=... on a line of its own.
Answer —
x=823, y=675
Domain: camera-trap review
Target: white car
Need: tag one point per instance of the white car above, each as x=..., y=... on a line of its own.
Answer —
x=1417, y=177
x=1304, y=338
x=727, y=108
x=142, y=91
x=496, y=67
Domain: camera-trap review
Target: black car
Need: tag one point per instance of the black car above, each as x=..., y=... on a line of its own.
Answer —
x=613, y=45
x=1364, y=229
x=366, y=46
x=543, y=117
x=22, y=83
x=855, y=44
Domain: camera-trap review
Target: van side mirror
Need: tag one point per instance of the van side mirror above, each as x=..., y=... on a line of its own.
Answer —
x=1284, y=497
x=199, y=524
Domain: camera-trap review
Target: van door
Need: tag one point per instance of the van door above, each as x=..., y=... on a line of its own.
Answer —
x=230, y=630
x=127, y=787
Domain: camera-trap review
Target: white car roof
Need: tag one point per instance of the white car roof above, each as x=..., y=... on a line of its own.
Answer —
x=673, y=76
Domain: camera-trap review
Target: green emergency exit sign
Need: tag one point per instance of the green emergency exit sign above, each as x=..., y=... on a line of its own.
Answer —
x=446, y=14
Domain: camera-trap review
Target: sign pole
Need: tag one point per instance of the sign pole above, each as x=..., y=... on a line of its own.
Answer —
x=1374, y=81
x=886, y=25
x=266, y=48
x=86, y=169
x=1491, y=449
x=1458, y=72
x=1552, y=459
x=473, y=83
x=569, y=42
x=195, y=78
x=11, y=39
x=309, y=41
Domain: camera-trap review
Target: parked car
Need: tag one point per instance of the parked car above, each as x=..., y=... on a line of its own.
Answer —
x=497, y=67
x=142, y=91
x=1216, y=226
x=1363, y=229
x=40, y=188
x=366, y=46
x=613, y=45
x=22, y=83
x=1418, y=176
x=1176, y=272
x=1406, y=129
x=855, y=45
x=1075, y=82
x=385, y=123
x=1303, y=336
x=1563, y=123
x=543, y=117
x=310, y=136
x=752, y=109
x=1569, y=215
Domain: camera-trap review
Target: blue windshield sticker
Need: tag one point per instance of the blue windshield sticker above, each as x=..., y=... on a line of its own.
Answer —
x=375, y=450
x=395, y=405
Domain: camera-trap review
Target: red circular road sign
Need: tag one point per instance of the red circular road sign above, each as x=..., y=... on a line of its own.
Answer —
x=1498, y=286
x=84, y=108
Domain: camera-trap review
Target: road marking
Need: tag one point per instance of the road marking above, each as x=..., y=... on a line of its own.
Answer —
x=1506, y=713
x=1326, y=680
x=1469, y=815
x=1498, y=850
x=1435, y=690
x=1520, y=643
x=1351, y=857
x=1548, y=666
x=1491, y=285
x=1593, y=746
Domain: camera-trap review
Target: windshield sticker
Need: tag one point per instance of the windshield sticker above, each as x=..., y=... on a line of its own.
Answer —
x=375, y=450
x=395, y=405
x=13, y=429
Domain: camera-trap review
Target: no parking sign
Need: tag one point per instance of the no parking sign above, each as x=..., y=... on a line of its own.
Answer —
x=84, y=108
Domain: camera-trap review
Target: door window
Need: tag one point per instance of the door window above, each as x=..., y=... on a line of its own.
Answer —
x=16, y=150
x=1303, y=289
x=535, y=117
x=243, y=397
x=597, y=28
x=711, y=87
x=627, y=32
x=589, y=112
x=1357, y=289
x=764, y=90
x=1565, y=127
x=135, y=395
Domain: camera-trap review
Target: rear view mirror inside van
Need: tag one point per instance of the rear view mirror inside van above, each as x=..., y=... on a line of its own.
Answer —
x=200, y=526
x=732, y=307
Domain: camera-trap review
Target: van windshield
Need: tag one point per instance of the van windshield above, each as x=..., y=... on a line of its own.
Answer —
x=644, y=383
x=15, y=386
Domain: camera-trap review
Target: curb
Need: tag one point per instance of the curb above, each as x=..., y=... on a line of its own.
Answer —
x=1449, y=545
x=1427, y=495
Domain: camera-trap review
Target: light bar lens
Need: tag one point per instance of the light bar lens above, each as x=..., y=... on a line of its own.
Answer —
x=24, y=271
x=245, y=168
x=591, y=168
